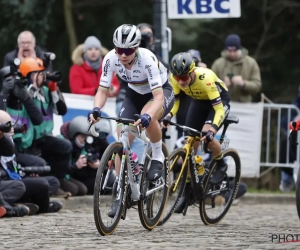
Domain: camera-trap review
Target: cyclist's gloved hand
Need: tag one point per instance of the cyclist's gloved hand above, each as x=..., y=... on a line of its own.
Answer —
x=166, y=120
x=145, y=120
x=96, y=112
x=209, y=136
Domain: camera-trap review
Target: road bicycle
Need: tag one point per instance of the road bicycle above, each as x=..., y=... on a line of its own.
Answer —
x=130, y=189
x=211, y=197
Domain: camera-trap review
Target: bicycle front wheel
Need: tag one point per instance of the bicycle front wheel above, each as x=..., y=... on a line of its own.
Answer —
x=152, y=206
x=218, y=198
x=177, y=182
x=106, y=199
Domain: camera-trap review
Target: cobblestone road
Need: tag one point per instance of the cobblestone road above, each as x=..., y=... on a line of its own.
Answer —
x=244, y=227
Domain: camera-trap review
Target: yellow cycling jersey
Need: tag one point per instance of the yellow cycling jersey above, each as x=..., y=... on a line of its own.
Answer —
x=207, y=86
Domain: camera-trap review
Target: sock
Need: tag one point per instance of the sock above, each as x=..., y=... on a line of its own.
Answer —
x=157, y=153
x=219, y=159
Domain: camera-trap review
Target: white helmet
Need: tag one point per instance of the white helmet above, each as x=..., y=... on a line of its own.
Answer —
x=127, y=36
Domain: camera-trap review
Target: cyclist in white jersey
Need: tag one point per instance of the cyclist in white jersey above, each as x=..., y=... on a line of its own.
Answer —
x=149, y=93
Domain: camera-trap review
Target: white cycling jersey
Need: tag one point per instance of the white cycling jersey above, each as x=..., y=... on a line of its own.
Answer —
x=146, y=74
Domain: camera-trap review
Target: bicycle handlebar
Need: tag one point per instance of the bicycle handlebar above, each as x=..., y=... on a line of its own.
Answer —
x=189, y=130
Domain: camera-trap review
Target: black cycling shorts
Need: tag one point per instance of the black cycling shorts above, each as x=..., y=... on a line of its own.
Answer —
x=135, y=102
x=202, y=112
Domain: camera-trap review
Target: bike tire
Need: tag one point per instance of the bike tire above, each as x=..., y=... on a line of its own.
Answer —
x=173, y=201
x=232, y=192
x=145, y=207
x=101, y=226
x=298, y=193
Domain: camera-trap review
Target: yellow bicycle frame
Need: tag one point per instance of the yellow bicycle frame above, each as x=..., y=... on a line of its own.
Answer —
x=188, y=146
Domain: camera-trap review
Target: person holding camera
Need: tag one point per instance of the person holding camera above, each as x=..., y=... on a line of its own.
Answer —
x=86, y=70
x=10, y=191
x=238, y=70
x=47, y=97
x=87, y=151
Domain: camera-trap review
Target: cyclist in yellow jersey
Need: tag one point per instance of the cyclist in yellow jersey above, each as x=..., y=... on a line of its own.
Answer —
x=209, y=107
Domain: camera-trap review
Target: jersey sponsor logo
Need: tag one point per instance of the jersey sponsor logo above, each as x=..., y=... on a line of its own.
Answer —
x=124, y=77
x=201, y=77
x=135, y=76
x=154, y=84
x=136, y=71
x=105, y=69
x=208, y=84
x=118, y=64
x=148, y=67
x=121, y=111
x=104, y=81
x=169, y=99
x=121, y=71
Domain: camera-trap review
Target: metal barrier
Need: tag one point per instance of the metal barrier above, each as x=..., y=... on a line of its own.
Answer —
x=273, y=135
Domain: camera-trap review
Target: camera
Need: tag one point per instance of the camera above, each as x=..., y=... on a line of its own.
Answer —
x=145, y=40
x=91, y=153
x=40, y=170
x=6, y=127
x=54, y=76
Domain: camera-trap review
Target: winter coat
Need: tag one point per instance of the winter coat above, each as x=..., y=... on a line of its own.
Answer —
x=246, y=67
x=82, y=78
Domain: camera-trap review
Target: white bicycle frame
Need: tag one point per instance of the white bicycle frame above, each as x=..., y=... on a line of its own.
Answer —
x=134, y=184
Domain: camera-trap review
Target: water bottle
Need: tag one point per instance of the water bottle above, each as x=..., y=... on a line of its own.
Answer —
x=199, y=164
x=136, y=169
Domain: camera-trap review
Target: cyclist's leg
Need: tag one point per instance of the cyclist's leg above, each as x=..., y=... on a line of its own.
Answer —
x=196, y=117
x=154, y=133
x=216, y=148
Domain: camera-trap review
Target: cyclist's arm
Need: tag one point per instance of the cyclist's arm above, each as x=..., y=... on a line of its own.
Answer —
x=105, y=82
x=216, y=101
x=176, y=90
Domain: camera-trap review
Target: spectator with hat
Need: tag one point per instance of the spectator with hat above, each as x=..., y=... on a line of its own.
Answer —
x=87, y=66
x=238, y=70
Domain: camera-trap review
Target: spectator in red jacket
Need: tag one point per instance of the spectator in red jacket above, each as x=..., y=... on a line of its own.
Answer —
x=87, y=68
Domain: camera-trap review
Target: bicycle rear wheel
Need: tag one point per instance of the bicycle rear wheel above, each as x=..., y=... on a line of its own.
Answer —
x=103, y=199
x=298, y=193
x=218, y=198
x=152, y=206
x=175, y=166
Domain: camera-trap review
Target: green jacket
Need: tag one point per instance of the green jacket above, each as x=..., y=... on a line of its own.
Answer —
x=247, y=67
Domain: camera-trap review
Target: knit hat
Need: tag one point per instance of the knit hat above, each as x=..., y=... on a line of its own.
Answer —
x=91, y=42
x=233, y=42
x=195, y=54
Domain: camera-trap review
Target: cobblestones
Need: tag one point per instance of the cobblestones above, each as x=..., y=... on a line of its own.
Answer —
x=244, y=227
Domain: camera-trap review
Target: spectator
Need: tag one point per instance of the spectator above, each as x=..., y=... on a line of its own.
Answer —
x=86, y=70
x=48, y=98
x=12, y=191
x=87, y=151
x=26, y=48
x=239, y=71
